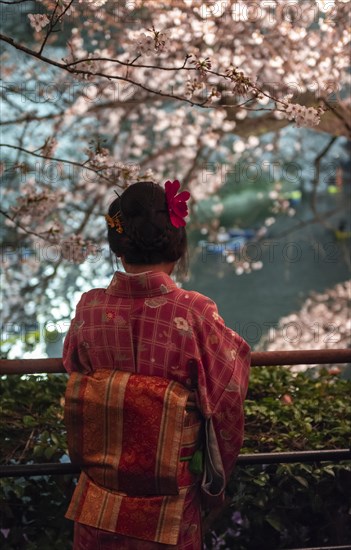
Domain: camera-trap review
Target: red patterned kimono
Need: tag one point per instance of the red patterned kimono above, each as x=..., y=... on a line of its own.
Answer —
x=144, y=324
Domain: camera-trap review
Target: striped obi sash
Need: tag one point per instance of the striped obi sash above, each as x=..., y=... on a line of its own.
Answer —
x=130, y=433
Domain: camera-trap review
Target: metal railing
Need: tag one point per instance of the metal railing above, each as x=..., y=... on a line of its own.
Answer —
x=258, y=359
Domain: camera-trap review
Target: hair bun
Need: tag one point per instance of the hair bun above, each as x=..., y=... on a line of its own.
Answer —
x=148, y=237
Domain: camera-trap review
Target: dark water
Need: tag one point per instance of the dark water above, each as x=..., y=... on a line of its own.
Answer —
x=309, y=259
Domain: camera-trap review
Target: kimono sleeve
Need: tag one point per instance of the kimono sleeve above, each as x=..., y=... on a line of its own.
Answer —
x=223, y=376
x=73, y=356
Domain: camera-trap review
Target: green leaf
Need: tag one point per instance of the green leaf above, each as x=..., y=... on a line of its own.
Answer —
x=38, y=450
x=29, y=421
x=50, y=451
x=54, y=439
x=275, y=522
x=302, y=480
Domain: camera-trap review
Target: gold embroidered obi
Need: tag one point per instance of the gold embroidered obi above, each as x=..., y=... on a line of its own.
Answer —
x=130, y=433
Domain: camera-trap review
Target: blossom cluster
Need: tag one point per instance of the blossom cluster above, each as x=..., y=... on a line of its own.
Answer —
x=103, y=161
x=241, y=265
x=301, y=115
x=94, y=3
x=38, y=21
x=148, y=45
x=281, y=204
x=303, y=330
x=242, y=84
x=202, y=65
x=193, y=86
x=34, y=206
x=85, y=69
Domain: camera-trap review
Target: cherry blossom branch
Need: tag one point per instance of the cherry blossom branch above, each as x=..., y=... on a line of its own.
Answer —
x=20, y=226
x=67, y=67
x=54, y=159
x=315, y=182
x=224, y=76
x=30, y=52
x=131, y=63
x=337, y=114
x=63, y=66
x=242, y=84
x=31, y=118
x=53, y=22
x=50, y=29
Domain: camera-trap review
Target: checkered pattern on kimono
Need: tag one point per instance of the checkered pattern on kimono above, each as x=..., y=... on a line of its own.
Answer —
x=145, y=324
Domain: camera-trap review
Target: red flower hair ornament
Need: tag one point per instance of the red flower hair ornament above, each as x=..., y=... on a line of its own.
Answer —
x=177, y=207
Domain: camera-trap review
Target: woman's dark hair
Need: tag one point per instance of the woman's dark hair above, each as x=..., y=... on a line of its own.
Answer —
x=148, y=236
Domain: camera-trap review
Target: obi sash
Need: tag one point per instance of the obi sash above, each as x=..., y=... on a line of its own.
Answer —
x=130, y=433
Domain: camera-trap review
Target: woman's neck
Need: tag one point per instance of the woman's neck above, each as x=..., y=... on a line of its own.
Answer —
x=165, y=267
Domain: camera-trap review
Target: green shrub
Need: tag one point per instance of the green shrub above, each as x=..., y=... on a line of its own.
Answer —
x=272, y=506
x=290, y=505
x=32, y=509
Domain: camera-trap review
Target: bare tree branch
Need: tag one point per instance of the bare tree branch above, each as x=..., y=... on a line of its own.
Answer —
x=315, y=183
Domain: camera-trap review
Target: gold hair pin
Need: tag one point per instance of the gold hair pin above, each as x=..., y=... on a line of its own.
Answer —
x=114, y=221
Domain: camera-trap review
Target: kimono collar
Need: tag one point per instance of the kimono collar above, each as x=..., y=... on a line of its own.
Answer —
x=141, y=285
